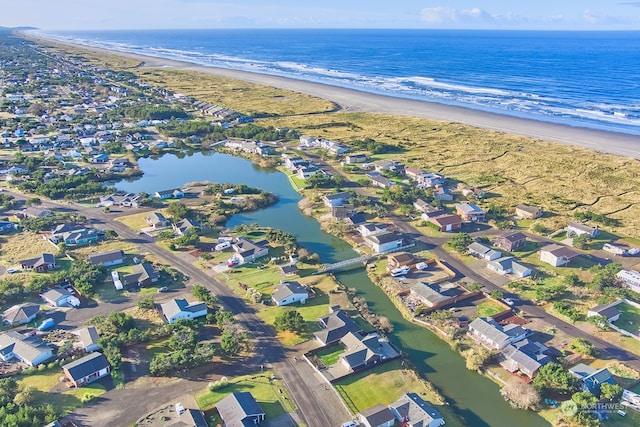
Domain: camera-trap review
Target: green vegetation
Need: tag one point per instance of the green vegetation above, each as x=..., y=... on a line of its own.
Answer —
x=330, y=355
x=460, y=241
x=17, y=408
x=489, y=308
x=553, y=378
x=184, y=350
x=289, y=321
x=629, y=318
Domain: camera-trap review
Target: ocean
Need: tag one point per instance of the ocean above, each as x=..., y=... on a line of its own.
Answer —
x=583, y=79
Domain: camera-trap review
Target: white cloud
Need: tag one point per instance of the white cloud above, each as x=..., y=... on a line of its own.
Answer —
x=446, y=15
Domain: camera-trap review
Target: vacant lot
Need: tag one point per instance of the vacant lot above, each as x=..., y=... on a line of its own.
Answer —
x=629, y=318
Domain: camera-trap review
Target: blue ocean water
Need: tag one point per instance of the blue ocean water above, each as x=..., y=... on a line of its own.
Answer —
x=585, y=79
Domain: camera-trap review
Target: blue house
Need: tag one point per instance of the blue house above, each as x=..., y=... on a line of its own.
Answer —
x=174, y=193
x=591, y=379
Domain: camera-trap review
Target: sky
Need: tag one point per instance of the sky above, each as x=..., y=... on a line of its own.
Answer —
x=211, y=14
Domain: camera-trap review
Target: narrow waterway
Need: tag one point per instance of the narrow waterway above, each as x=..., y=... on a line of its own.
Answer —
x=475, y=397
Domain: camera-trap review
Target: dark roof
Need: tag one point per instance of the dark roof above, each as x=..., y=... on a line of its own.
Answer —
x=86, y=365
x=289, y=269
x=560, y=251
x=384, y=238
x=21, y=312
x=102, y=257
x=513, y=236
x=377, y=415
x=238, y=406
x=446, y=220
x=412, y=407
x=287, y=289
x=41, y=260
x=336, y=325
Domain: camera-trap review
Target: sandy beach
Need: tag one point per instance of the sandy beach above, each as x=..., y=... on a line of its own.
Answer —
x=357, y=101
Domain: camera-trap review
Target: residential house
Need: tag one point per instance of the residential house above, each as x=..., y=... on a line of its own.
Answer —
x=399, y=259
x=337, y=149
x=578, y=229
x=178, y=308
x=247, y=250
x=292, y=163
x=335, y=325
x=377, y=416
x=380, y=181
x=511, y=241
x=470, y=212
x=557, y=255
x=128, y=200
x=336, y=199
x=446, y=223
x=156, y=220
x=290, y=293
x=305, y=171
x=474, y=192
x=44, y=262
x=610, y=311
x=528, y=212
x=34, y=212
x=432, y=294
x=100, y=158
x=342, y=212
x=479, y=250
x=88, y=339
x=58, y=297
x=73, y=234
x=6, y=226
x=288, y=269
x=525, y=356
x=412, y=411
x=590, y=379
x=20, y=314
x=384, y=242
x=365, y=352
x=631, y=278
x=355, y=158
x=508, y=265
x=240, y=409
x=107, y=258
x=174, y=193
x=442, y=193
x=87, y=369
x=356, y=219
x=424, y=179
x=184, y=226
x=141, y=275
x=27, y=349
x=387, y=165
x=372, y=228
x=489, y=333
x=427, y=210
x=187, y=417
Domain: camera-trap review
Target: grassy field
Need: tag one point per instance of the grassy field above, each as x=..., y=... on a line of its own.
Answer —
x=23, y=246
x=489, y=308
x=629, y=318
x=385, y=384
x=136, y=221
x=270, y=394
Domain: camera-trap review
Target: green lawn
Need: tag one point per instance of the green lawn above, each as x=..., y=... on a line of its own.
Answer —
x=629, y=318
x=330, y=355
x=489, y=308
x=158, y=347
x=270, y=395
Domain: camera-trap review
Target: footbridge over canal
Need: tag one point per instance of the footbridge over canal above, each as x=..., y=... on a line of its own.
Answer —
x=364, y=258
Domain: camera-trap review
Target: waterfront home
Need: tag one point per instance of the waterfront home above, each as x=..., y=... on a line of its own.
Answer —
x=412, y=411
x=58, y=297
x=384, y=242
x=305, y=171
x=590, y=379
x=107, y=258
x=185, y=226
x=156, y=220
x=525, y=357
x=335, y=325
x=441, y=193
x=336, y=199
x=290, y=293
x=470, y=212
x=175, y=193
x=128, y=200
x=20, y=314
x=528, y=212
x=87, y=369
x=25, y=348
x=508, y=265
x=579, y=229
x=288, y=269
x=372, y=228
x=240, y=409
x=377, y=416
x=365, y=352
x=44, y=262
x=510, y=241
x=355, y=158
x=247, y=250
x=141, y=275
x=609, y=311
x=292, y=163
x=342, y=212
x=435, y=295
x=179, y=308
x=446, y=223
x=489, y=333
x=399, y=260
x=631, y=278
x=88, y=339
x=557, y=255
x=480, y=250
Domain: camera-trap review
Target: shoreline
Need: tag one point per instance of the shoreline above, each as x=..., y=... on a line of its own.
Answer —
x=356, y=101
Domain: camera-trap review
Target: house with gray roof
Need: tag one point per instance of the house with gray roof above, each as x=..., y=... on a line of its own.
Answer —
x=511, y=241
x=413, y=411
x=470, y=212
x=58, y=297
x=247, y=250
x=384, y=242
x=107, y=258
x=610, y=311
x=578, y=229
x=87, y=369
x=88, y=339
x=141, y=275
x=184, y=226
x=28, y=349
x=156, y=220
x=364, y=352
x=508, y=265
x=335, y=325
x=336, y=199
x=289, y=293
x=240, y=409
x=480, y=250
x=591, y=379
x=489, y=333
x=377, y=416
x=44, y=262
x=20, y=314
x=179, y=308
x=557, y=255
x=435, y=294
x=525, y=356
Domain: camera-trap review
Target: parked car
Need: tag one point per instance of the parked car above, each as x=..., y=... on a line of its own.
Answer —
x=12, y=270
x=163, y=289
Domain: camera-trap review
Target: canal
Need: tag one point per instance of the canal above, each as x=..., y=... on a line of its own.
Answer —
x=475, y=397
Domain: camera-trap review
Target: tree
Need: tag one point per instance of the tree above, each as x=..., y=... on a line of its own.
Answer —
x=146, y=303
x=224, y=318
x=600, y=322
x=477, y=358
x=496, y=294
x=289, y=321
x=610, y=392
x=582, y=242
x=232, y=342
x=520, y=395
x=552, y=377
x=205, y=295
x=190, y=238
x=121, y=321
x=584, y=399
x=460, y=242
x=583, y=346
x=178, y=211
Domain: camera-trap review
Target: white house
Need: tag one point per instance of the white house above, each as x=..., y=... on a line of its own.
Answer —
x=289, y=293
x=247, y=250
x=413, y=410
x=508, y=265
x=610, y=311
x=59, y=298
x=384, y=242
x=489, y=333
x=177, y=309
x=371, y=229
x=578, y=229
x=557, y=255
x=631, y=278
x=479, y=250
x=28, y=349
